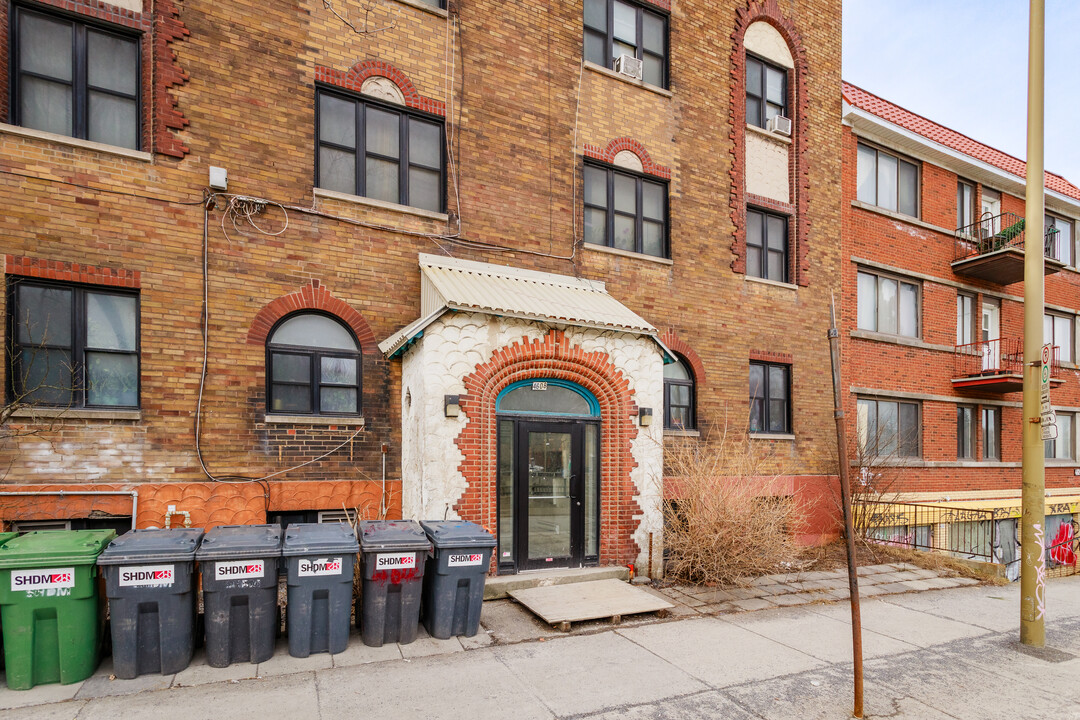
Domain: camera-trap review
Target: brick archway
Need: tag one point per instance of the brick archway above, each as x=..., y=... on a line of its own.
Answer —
x=554, y=357
x=353, y=79
x=672, y=340
x=607, y=154
x=313, y=296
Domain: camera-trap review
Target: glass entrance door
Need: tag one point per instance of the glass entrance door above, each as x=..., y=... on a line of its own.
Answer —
x=549, y=485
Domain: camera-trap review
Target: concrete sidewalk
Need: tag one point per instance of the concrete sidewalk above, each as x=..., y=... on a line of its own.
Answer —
x=936, y=654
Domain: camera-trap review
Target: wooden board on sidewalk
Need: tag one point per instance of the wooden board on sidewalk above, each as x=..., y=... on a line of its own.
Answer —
x=561, y=605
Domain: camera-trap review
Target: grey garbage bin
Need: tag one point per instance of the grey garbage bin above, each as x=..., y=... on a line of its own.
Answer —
x=239, y=566
x=392, y=555
x=148, y=580
x=319, y=558
x=454, y=578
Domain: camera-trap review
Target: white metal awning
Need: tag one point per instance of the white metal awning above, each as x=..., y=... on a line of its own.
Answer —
x=467, y=286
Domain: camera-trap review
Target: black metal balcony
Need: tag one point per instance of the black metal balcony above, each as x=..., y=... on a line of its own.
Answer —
x=993, y=249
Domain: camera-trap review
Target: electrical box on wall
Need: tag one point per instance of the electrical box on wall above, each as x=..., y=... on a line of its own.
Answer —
x=219, y=178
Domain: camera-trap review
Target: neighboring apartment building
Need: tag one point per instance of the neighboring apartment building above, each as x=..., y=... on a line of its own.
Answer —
x=934, y=324
x=481, y=261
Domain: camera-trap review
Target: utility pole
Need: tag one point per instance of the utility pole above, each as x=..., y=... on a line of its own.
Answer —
x=845, y=500
x=1032, y=529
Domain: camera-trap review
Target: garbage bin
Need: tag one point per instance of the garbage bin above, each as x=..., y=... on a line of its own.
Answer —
x=148, y=579
x=454, y=578
x=49, y=604
x=392, y=555
x=239, y=566
x=319, y=558
x=4, y=537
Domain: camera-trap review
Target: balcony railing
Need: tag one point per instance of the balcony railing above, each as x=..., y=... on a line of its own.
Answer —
x=999, y=232
x=993, y=249
x=996, y=365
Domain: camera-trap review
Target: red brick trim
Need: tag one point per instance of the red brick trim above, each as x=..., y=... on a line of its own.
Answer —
x=770, y=356
x=71, y=272
x=554, y=357
x=168, y=119
x=662, y=4
x=313, y=296
x=769, y=204
x=607, y=154
x=102, y=11
x=769, y=11
x=354, y=78
x=671, y=339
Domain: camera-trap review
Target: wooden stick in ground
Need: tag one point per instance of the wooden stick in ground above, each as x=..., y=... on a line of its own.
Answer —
x=845, y=500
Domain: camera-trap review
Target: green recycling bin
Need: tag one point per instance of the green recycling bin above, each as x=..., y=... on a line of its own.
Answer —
x=4, y=537
x=52, y=620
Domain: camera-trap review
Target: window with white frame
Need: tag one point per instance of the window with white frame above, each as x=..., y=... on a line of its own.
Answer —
x=1063, y=447
x=888, y=304
x=1058, y=331
x=1061, y=243
x=965, y=432
x=887, y=180
x=965, y=318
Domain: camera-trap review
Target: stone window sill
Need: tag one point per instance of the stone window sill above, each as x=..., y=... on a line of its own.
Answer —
x=369, y=202
x=672, y=432
x=772, y=436
x=627, y=253
x=900, y=340
x=320, y=420
x=900, y=217
x=774, y=283
x=76, y=142
x=628, y=80
x=425, y=7
x=775, y=137
x=33, y=414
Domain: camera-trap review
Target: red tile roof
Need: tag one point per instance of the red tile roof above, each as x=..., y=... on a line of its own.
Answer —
x=930, y=130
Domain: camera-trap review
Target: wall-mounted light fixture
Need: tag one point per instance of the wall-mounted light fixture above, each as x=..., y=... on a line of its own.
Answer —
x=644, y=416
x=452, y=405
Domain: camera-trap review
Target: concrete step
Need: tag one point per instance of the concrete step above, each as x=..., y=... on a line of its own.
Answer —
x=500, y=586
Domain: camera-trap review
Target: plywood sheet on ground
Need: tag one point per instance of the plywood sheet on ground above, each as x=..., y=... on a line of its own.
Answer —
x=588, y=601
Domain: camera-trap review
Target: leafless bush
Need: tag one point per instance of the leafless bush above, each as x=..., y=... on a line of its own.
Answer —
x=727, y=523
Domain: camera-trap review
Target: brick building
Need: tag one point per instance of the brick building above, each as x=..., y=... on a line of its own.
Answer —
x=933, y=338
x=480, y=261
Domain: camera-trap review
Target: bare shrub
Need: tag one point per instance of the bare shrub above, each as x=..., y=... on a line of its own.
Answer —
x=726, y=523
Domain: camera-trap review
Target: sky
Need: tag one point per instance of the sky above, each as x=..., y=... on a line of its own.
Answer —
x=963, y=64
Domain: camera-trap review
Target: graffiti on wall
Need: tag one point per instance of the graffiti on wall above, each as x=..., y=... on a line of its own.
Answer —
x=1061, y=547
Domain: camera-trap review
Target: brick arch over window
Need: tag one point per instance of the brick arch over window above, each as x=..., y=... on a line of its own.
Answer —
x=607, y=154
x=313, y=296
x=554, y=357
x=354, y=78
x=671, y=339
x=798, y=170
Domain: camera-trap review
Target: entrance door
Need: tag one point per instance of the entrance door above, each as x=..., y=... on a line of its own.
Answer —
x=991, y=334
x=550, y=507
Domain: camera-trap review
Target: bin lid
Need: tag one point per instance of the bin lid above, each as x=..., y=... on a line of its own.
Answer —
x=240, y=542
x=457, y=534
x=4, y=537
x=404, y=535
x=175, y=545
x=43, y=548
x=319, y=539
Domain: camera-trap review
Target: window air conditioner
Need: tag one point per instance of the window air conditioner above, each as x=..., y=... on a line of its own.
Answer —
x=629, y=66
x=780, y=125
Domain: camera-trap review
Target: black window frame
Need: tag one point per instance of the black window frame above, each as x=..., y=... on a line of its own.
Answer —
x=78, y=348
x=360, y=153
x=900, y=452
x=691, y=408
x=985, y=433
x=900, y=161
x=80, y=86
x=766, y=397
x=315, y=355
x=760, y=93
x=966, y=434
x=763, y=247
x=607, y=37
x=639, y=215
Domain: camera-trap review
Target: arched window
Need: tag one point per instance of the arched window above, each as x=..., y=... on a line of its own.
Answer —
x=313, y=367
x=679, y=396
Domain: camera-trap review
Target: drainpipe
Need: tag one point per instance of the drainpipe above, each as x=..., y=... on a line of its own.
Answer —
x=64, y=493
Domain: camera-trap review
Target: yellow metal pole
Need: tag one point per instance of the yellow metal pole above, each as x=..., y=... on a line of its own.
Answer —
x=1032, y=553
